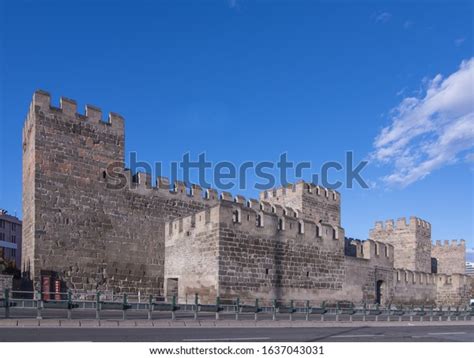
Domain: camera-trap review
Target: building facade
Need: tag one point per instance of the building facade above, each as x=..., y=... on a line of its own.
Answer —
x=91, y=224
x=10, y=237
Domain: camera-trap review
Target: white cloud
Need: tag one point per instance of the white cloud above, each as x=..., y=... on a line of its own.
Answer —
x=382, y=17
x=408, y=24
x=458, y=42
x=233, y=4
x=429, y=131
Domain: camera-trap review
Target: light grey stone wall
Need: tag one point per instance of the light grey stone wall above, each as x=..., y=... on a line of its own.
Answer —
x=450, y=256
x=259, y=261
x=192, y=257
x=314, y=203
x=412, y=242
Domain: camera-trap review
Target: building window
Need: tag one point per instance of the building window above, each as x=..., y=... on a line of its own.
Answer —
x=2, y=236
x=2, y=224
x=236, y=216
x=13, y=227
x=281, y=224
x=14, y=239
x=318, y=231
x=266, y=271
x=259, y=220
x=300, y=227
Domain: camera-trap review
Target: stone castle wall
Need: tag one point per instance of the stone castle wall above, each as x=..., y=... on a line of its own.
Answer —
x=412, y=242
x=75, y=225
x=450, y=256
x=258, y=260
x=100, y=227
x=453, y=290
x=312, y=202
x=191, y=257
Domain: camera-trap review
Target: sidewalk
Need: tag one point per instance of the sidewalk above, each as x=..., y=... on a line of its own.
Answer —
x=89, y=323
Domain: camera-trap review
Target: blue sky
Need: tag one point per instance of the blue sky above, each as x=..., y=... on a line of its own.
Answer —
x=249, y=80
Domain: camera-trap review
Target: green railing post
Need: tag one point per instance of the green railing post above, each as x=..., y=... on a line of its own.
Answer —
x=124, y=307
x=377, y=309
x=256, y=309
x=337, y=311
x=6, y=294
x=173, y=307
x=364, y=312
x=218, y=302
x=323, y=309
x=274, y=303
x=389, y=312
x=196, y=306
x=69, y=304
x=422, y=313
x=97, y=305
x=291, y=310
x=39, y=304
x=449, y=313
x=237, y=308
x=150, y=306
x=307, y=310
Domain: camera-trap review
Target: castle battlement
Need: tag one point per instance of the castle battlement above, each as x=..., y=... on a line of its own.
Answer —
x=141, y=183
x=401, y=224
x=68, y=107
x=302, y=187
x=447, y=244
x=254, y=220
x=381, y=253
x=409, y=277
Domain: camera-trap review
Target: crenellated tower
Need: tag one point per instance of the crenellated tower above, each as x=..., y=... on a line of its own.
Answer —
x=313, y=202
x=78, y=228
x=450, y=257
x=411, y=242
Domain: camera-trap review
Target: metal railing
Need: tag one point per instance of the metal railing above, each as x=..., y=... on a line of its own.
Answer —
x=98, y=302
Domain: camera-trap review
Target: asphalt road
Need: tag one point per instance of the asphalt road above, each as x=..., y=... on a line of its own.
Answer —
x=458, y=333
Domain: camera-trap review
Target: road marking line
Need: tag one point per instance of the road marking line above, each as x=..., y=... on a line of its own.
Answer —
x=440, y=333
x=358, y=335
x=227, y=339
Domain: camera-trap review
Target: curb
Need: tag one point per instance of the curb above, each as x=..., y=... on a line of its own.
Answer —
x=189, y=324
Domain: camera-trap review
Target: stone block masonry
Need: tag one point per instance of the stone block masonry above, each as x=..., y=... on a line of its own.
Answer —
x=412, y=242
x=232, y=250
x=89, y=236
x=170, y=239
x=450, y=257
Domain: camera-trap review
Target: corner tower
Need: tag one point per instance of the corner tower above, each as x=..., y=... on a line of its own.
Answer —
x=64, y=156
x=312, y=202
x=411, y=242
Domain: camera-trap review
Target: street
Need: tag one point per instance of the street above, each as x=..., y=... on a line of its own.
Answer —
x=406, y=333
